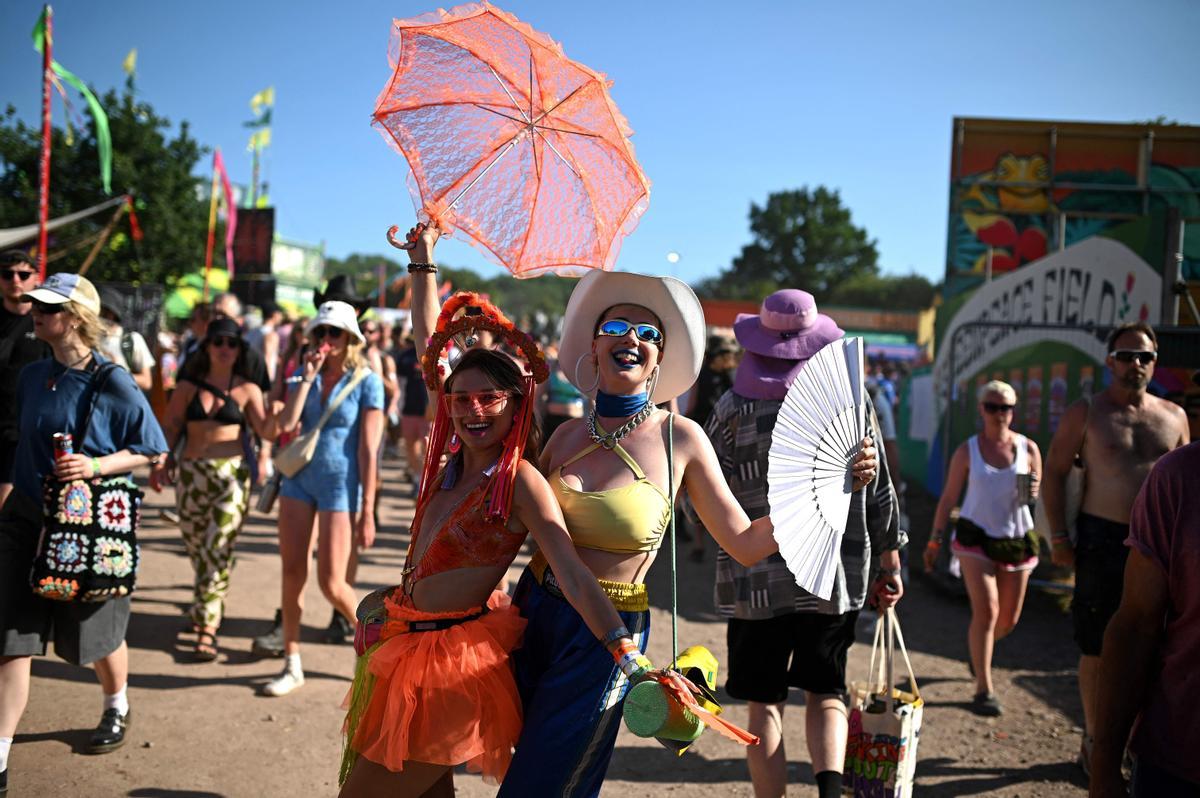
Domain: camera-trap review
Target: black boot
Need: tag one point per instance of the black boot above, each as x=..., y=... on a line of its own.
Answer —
x=340, y=631
x=270, y=644
x=110, y=733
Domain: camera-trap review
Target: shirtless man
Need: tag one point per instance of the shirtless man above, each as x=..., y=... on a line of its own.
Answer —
x=1119, y=435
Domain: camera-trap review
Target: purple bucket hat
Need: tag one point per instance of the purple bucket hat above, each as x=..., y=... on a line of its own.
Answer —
x=787, y=331
x=787, y=326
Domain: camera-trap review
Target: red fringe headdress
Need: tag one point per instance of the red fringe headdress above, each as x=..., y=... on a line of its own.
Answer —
x=492, y=319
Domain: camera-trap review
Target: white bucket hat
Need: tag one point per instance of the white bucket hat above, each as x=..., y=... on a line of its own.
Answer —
x=336, y=314
x=672, y=300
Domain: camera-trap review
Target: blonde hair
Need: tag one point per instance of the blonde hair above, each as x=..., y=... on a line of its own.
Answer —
x=354, y=353
x=998, y=387
x=90, y=329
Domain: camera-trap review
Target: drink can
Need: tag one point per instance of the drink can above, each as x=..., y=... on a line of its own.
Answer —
x=64, y=444
x=1025, y=488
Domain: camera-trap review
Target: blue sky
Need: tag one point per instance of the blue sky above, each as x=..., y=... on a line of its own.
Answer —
x=728, y=101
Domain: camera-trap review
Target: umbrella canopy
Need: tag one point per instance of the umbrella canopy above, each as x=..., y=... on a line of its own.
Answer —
x=511, y=144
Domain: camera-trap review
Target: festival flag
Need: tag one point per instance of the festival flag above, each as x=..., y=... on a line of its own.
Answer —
x=230, y=209
x=130, y=63
x=259, y=140
x=135, y=229
x=103, y=138
x=266, y=98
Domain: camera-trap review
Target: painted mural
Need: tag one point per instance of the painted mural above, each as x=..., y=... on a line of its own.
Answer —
x=1013, y=183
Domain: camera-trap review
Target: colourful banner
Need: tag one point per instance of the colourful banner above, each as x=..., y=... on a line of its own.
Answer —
x=103, y=137
x=230, y=208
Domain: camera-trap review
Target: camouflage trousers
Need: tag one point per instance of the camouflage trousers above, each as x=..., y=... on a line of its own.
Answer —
x=212, y=497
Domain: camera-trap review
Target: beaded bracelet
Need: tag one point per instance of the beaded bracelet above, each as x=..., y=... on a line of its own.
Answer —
x=429, y=268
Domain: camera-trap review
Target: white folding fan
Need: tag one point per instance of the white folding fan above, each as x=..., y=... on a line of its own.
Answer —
x=818, y=434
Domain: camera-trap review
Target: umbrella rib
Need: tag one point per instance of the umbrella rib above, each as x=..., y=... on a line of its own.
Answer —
x=509, y=93
x=559, y=154
x=572, y=132
x=551, y=110
x=507, y=149
x=522, y=123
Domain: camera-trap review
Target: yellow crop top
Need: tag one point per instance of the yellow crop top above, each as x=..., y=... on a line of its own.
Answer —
x=626, y=519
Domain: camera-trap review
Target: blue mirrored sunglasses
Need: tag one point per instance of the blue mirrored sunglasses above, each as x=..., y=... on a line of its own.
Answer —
x=619, y=328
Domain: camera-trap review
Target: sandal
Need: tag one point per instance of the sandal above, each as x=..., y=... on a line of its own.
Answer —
x=206, y=647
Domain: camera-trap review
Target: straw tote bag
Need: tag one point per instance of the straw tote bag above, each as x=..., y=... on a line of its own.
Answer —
x=294, y=457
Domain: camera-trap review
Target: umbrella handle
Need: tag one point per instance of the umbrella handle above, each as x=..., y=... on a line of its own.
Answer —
x=391, y=237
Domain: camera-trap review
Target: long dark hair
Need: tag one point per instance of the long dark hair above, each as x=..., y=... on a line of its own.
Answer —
x=195, y=368
x=503, y=373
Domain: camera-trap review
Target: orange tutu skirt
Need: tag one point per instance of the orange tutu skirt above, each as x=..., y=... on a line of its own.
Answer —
x=446, y=697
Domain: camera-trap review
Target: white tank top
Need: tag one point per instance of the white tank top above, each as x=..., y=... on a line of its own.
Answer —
x=991, y=500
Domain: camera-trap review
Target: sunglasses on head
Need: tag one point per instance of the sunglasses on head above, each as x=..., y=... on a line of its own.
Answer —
x=997, y=407
x=332, y=333
x=478, y=403
x=47, y=309
x=619, y=328
x=16, y=274
x=1129, y=355
x=227, y=341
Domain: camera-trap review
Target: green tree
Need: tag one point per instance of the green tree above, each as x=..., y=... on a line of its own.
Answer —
x=902, y=292
x=801, y=238
x=150, y=159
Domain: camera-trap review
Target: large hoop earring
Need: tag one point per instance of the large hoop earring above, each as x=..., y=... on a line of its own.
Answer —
x=579, y=382
x=651, y=384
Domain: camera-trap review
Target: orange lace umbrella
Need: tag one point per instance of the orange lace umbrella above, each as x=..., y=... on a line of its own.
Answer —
x=511, y=144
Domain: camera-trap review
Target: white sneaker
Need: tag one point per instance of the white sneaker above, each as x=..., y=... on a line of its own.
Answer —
x=284, y=683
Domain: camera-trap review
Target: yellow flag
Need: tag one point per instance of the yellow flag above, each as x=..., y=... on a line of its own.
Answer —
x=130, y=62
x=260, y=139
x=265, y=97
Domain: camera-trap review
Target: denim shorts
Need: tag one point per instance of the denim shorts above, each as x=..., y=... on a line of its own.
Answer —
x=338, y=492
x=1100, y=554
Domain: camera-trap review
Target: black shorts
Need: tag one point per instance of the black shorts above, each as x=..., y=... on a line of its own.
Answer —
x=801, y=649
x=83, y=632
x=1100, y=554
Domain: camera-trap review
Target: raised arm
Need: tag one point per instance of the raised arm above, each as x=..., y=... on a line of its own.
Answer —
x=420, y=244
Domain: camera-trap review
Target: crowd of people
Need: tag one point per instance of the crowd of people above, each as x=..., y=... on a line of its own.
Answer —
x=588, y=446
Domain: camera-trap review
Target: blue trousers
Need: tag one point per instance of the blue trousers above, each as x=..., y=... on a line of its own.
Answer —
x=572, y=693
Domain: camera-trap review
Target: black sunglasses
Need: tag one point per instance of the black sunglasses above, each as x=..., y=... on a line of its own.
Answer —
x=996, y=407
x=46, y=309
x=618, y=328
x=1129, y=355
x=327, y=332
x=16, y=274
x=227, y=341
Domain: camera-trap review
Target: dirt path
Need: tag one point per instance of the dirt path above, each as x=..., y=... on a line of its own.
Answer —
x=201, y=730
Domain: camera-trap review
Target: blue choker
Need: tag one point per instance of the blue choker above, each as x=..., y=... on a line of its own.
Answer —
x=610, y=406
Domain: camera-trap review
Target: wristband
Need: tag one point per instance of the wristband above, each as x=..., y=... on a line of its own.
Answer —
x=632, y=662
x=615, y=635
x=889, y=571
x=428, y=268
x=933, y=544
x=95, y=466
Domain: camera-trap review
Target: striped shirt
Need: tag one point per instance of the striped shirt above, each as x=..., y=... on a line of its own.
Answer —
x=740, y=430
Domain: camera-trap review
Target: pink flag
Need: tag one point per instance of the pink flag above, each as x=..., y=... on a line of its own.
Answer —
x=230, y=210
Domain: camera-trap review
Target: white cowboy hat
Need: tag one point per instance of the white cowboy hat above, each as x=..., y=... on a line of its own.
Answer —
x=673, y=301
x=336, y=314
